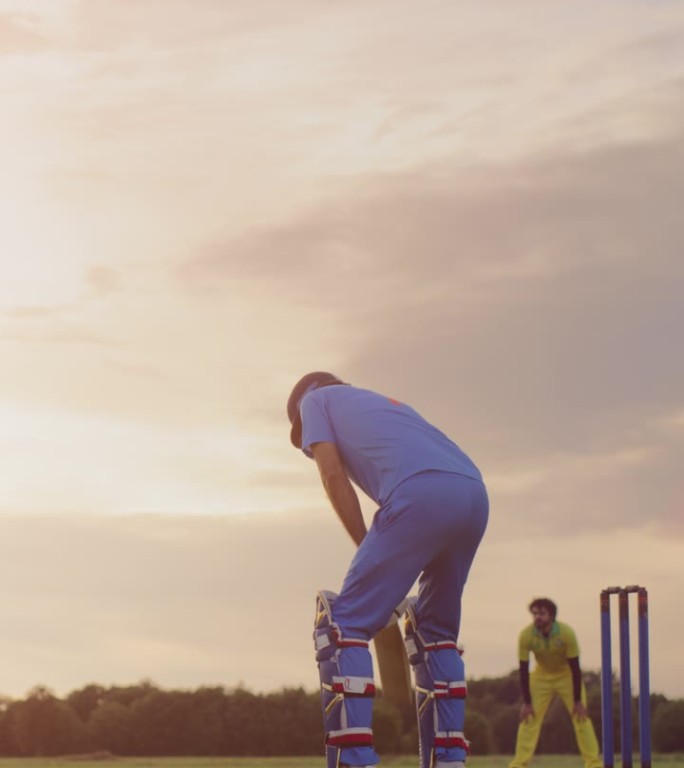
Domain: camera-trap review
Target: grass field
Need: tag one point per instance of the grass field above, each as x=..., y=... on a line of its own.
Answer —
x=490, y=761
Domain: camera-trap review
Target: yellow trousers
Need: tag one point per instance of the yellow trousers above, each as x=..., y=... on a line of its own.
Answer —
x=543, y=688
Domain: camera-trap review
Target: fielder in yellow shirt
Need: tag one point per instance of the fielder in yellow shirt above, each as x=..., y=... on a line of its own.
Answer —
x=557, y=673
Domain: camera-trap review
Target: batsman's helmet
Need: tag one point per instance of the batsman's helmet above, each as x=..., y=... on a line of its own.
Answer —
x=307, y=383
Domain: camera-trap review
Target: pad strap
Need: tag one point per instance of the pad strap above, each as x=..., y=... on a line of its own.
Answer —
x=331, y=636
x=450, y=690
x=324, y=639
x=451, y=739
x=350, y=737
x=353, y=686
x=416, y=645
x=349, y=642
x=443, y=645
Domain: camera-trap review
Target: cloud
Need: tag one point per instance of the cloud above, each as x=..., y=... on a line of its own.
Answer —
x=65, y=335
x=62, y=323
x=32, y=312
x=556, y=246
x=169, y=22
x=21, y=33
x=102, y=280
x=536, y=302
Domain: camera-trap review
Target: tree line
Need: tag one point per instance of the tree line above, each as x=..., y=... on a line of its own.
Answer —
x=145, y=720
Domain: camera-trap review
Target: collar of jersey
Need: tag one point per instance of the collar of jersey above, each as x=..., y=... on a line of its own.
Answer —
x=555, y=630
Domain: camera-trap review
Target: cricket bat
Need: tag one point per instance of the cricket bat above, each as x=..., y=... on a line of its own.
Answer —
x=393, y=665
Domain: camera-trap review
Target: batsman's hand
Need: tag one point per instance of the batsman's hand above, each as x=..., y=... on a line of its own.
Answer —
x=579, y=711
x=526, y=711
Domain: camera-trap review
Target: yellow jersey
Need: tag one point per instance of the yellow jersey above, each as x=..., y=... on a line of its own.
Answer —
x=552, y=651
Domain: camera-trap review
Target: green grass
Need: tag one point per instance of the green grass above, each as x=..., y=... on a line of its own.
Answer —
x=489, y=761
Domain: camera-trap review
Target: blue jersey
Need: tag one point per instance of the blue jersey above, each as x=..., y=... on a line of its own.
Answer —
x=381, y=441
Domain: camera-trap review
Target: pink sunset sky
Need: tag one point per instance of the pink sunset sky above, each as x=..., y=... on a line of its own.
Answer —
x=474, y=207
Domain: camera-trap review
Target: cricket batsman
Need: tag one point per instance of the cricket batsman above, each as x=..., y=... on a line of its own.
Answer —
x=432, y=514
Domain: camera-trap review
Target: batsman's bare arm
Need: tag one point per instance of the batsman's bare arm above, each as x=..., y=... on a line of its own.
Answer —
x=340, y=491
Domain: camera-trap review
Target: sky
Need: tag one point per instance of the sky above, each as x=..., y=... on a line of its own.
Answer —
x=472, y=207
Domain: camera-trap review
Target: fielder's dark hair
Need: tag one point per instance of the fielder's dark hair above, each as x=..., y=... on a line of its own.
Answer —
x=544, y=602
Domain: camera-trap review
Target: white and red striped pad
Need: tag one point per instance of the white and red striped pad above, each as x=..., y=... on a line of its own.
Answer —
x=350, y=737
x=450, y=739
x=353, y=686
x=450, y=689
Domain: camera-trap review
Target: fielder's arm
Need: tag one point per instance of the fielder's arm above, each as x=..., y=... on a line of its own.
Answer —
x=579, y=710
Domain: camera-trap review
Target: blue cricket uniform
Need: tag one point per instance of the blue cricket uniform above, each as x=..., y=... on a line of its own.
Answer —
x=432, y=514
x=382, y=442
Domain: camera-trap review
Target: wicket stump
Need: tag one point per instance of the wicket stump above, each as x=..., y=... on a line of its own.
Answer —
x=623, y=594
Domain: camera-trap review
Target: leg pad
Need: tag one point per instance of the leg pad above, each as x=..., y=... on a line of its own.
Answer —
x=347, y=689
x=440, y=694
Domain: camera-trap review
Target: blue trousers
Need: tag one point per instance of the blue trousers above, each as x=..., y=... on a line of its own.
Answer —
x=429, y=529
